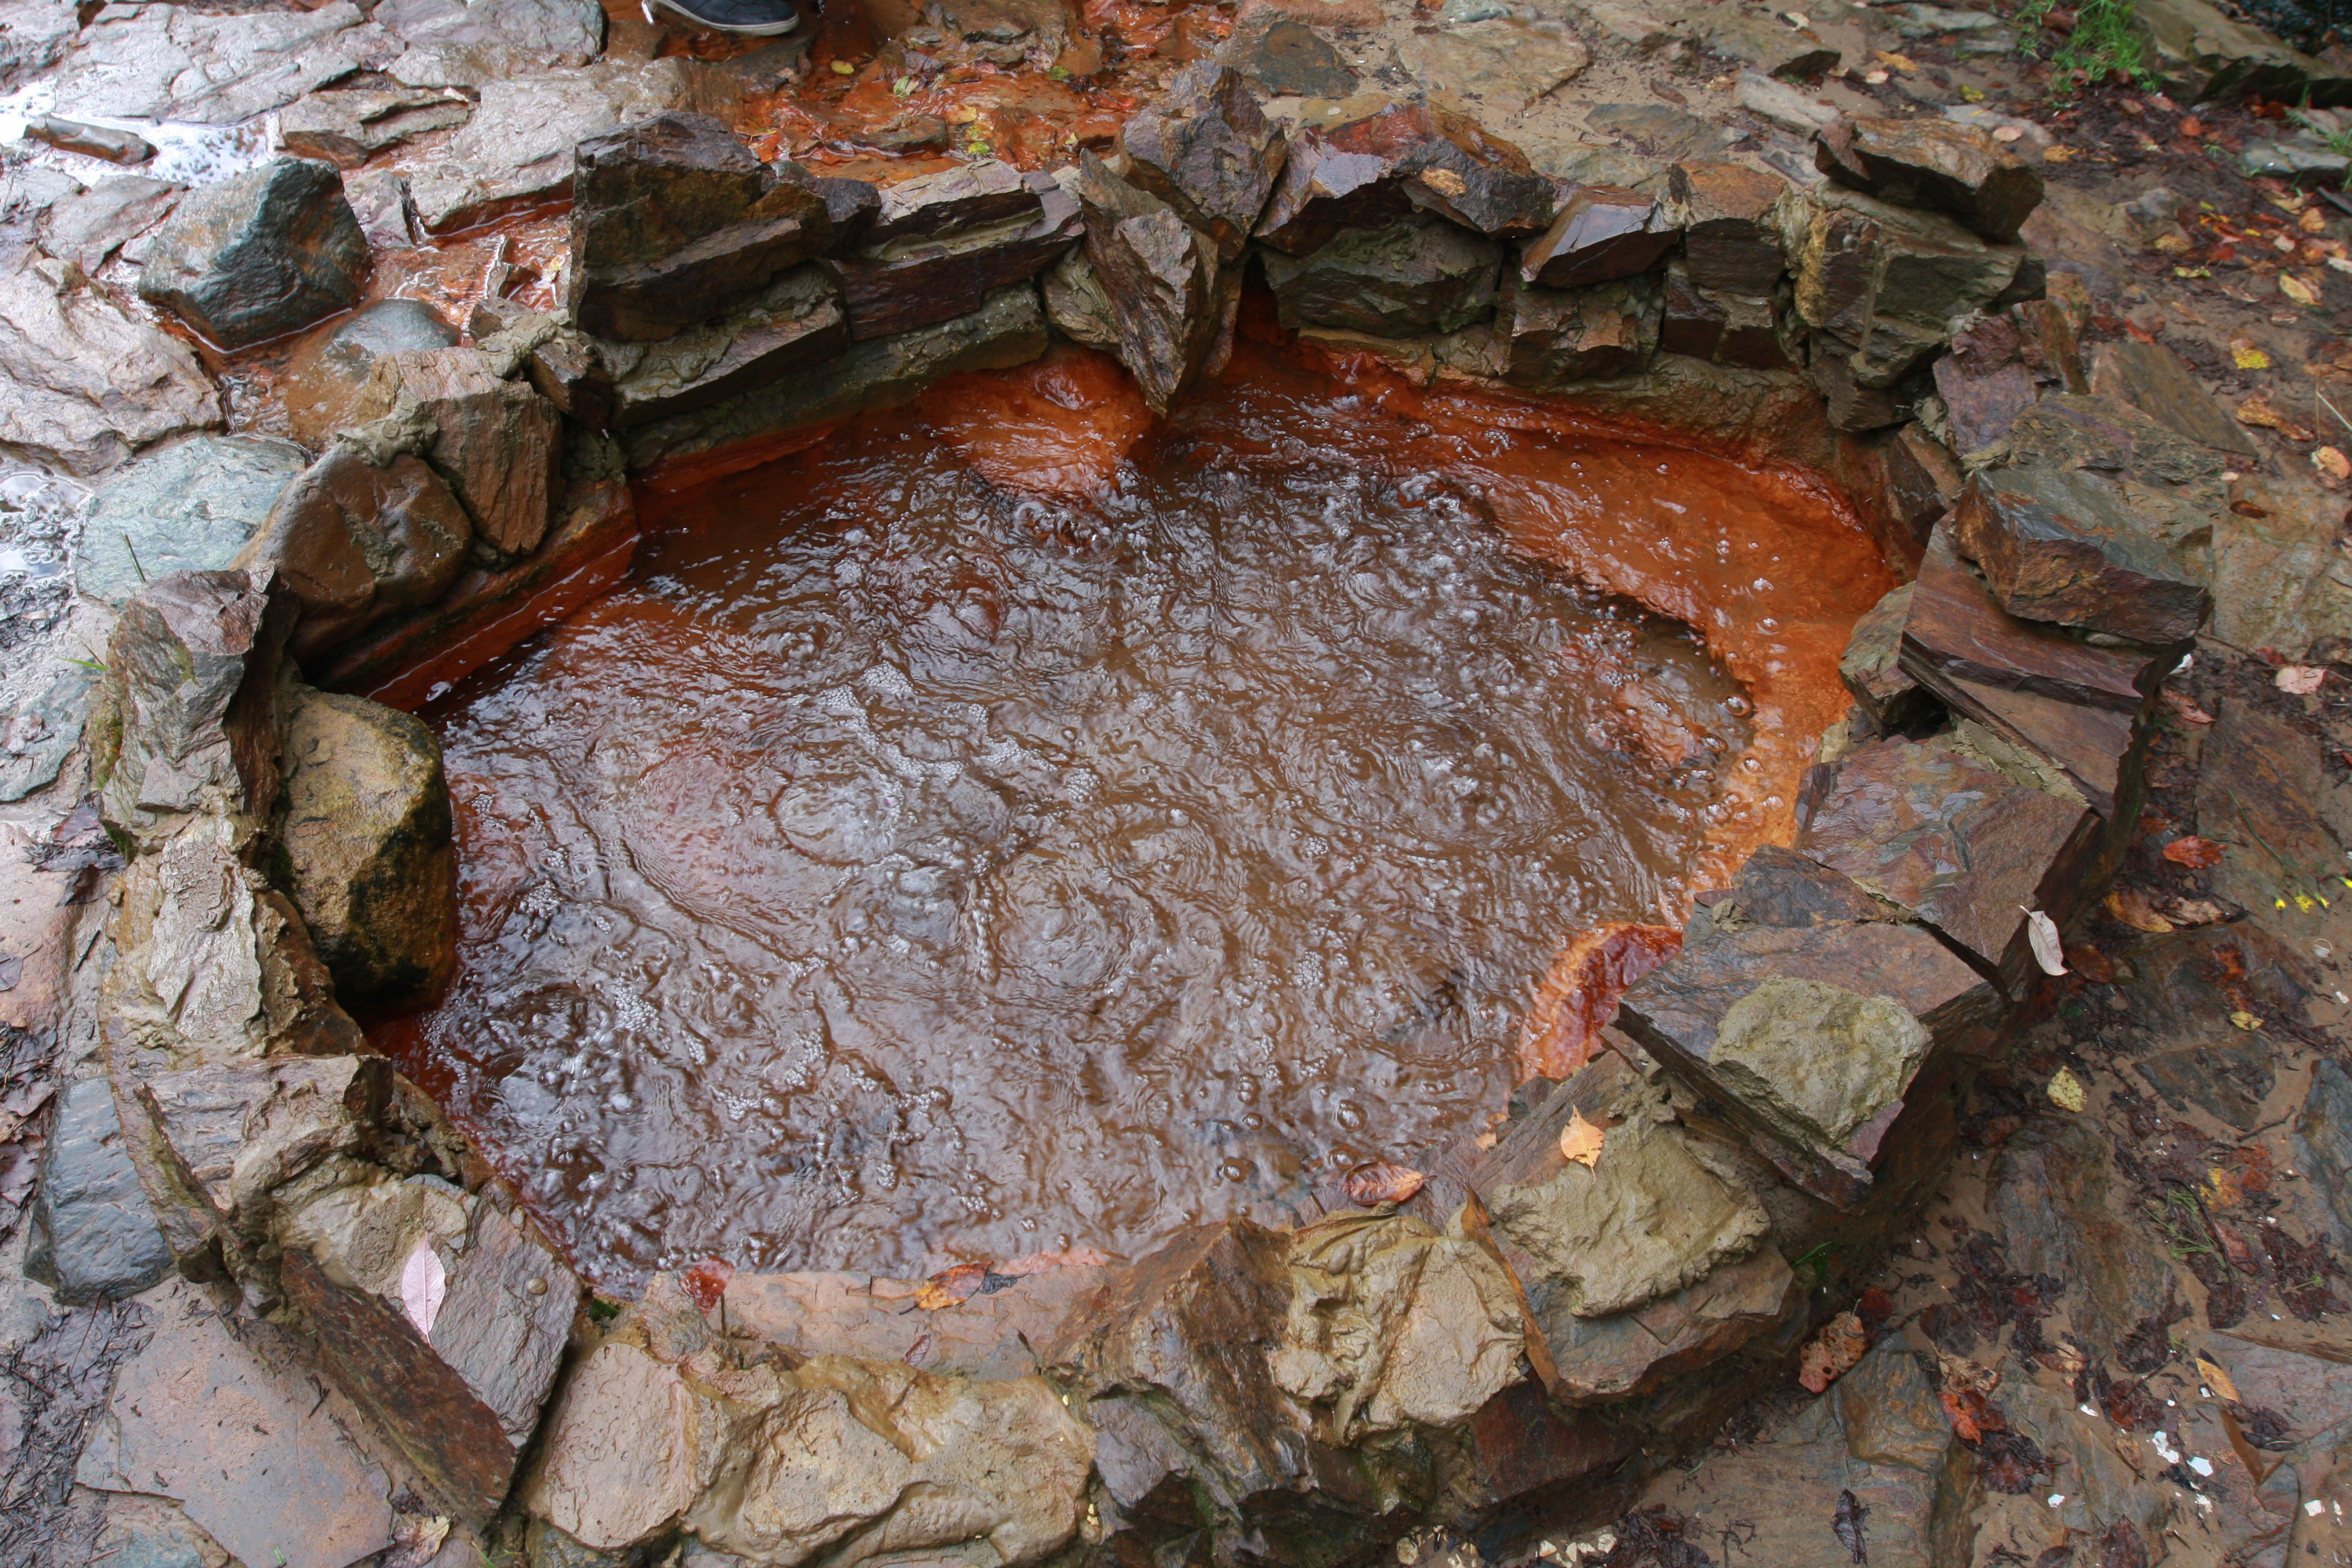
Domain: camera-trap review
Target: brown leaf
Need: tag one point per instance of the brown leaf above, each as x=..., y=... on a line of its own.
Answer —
x=952, y=1287
x=1830, y=1353
x=2131, y=905
x=2193, y=852
x=1580, y=1141
x=2193, y=912
x=2257, y=410
x=1382, y=1183
x=2181, y=704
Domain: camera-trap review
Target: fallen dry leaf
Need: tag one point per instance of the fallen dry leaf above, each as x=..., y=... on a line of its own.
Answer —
x=2333, y=467
x=2245, y=1020
x=2066, y=1090
x=2192, y=127
x=1887, y=57
x=952, y=1287
x=2224, y=1192
x=2296, y=289
x=2058, y=154
x=1382, y=1183
x=1876, y=77
x=2193, y=852
x=2245, y=356
x=2313, y=221
x=2300, y=679
x=2192, y=912
x=2065, y=1357
x=2257, y=410
x=1830, y=1353
x=2217, y=1380
x=2131, y=905
x=1580, y=1141
x=2042, y=935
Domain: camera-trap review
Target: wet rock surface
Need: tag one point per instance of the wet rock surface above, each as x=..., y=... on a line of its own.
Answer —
x=93, y=383
x=1422, y=275
x=2056, y=548
x=327, y=377
x=190, y=506
x=93, y=1237
x=259, y=255
x=1955, y=169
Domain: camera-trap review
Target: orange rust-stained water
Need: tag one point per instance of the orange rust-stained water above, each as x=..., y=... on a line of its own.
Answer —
x=1012, y=825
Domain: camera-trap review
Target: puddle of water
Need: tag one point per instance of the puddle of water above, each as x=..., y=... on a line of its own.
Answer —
x=185, y=153
x=1009, y=831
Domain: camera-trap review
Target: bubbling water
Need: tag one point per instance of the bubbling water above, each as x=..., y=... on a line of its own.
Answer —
x=904, y=868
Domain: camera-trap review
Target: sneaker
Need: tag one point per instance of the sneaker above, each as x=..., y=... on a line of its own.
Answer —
x=750, y=18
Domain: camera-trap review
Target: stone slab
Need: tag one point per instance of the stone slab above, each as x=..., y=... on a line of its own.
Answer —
x=202, y=1418
x=188, y=506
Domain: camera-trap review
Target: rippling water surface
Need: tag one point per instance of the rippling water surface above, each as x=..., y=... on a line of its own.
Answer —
x=912, y=864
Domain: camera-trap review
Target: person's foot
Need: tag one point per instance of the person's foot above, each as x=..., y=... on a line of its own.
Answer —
x=752, y=18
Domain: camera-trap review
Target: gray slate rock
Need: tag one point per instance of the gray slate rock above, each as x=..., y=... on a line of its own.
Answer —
x=379, y=199
x=189, y=507
x=43, y=733
x=172, y=62
x=93, y=1237
x=265, y=254
x=87, y=227
x=517, y=147
x=454, y=44
x=34, y=35
x=90, y=384
x=348, y=128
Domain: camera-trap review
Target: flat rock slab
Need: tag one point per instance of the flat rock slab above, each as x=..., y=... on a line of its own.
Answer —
x=1955, y=842
x=1957, y=169
x=994, y=1332
x=516, y=149
x=2056, y=546
x=1506, y=60
x=1418, y=275
x=349, y=127
x=2152, y=379
x=454, y=43
x=1365, y=171
x=188, y=506
x=201, y=1417
x=86, y=228
x=168, y=62
x=91, y=383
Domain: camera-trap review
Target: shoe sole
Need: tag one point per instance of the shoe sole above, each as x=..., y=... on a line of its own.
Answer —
x=761, y=30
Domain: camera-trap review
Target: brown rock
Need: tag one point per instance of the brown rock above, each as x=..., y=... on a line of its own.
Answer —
x=368, y=848
x=917, y=280
x=1551, y=336
x=1955, y=843
x=1883, y=286
x=2152, y=379
x=966, y=197
x=1959, y=169
x=2068, y=431
x=1368, y=171
x=850, y=204
x=1169, y=296
x=1730, y=329
x=1782, y=889
x=1731, y=233
x=1522, y=1443
x=1602, y=232
x=991, y=1333
x=2056, y=546
x=353, y=543
x=440, y=1315
x=265, y=253
x=349, y=127
x=326, y=378
x=498, y=445
x=1207, y=150
x=673, y=221
x=1871, y=665
x=487, y=611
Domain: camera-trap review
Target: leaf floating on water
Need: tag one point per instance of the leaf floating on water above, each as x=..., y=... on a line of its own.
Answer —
x=2066, y=1090
x=1580, y=1141
x=2300, y=679
x=1382, y=1183
x=2193, y=852
x=2041, y=932
x=1830, y=1353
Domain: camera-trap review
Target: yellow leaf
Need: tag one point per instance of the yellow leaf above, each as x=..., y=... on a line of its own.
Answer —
x=2057, y=154
x=2245, y=1020
x=2217, y=1380
x=1580, y=1141
x=1973, y=94
x=2250, y=358
x=843, y=67
x=2066, y=1090
x=1898, y=62
x=2296, y=289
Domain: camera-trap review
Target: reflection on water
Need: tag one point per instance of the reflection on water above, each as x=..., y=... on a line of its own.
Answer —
x=934, y=856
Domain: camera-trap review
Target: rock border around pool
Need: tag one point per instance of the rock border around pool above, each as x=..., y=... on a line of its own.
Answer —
x=1526, y=1333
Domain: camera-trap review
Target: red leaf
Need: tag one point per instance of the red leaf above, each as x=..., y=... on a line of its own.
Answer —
x=2193, y=852
x=1382, y=1183
x=707, y=1282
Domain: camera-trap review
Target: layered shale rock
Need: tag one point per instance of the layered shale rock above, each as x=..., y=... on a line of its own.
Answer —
x=258, y=256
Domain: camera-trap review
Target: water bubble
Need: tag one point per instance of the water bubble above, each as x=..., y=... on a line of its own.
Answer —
x=1738, y=707
x=1234, y=1170
x=1768, y=625
x=1761, y=586
x=1351, y=1116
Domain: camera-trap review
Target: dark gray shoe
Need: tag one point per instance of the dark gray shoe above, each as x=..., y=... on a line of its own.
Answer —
x=750, y=18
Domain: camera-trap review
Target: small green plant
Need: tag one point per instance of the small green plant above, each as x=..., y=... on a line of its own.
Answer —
x=1817, y=1261
x=2106, y=41
x=2336, y=139
x=602, y=1310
